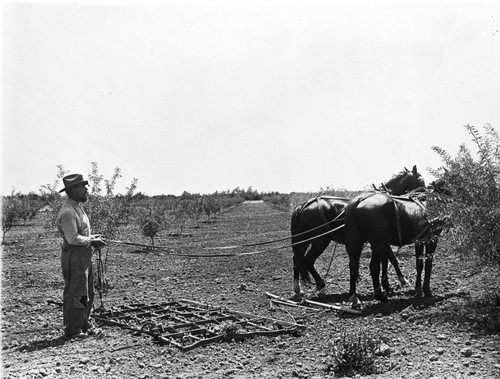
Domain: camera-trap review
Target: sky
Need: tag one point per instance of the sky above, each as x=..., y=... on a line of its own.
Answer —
x=205, y=96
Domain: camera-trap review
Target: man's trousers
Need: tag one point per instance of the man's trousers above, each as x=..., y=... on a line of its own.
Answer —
x=78, y=295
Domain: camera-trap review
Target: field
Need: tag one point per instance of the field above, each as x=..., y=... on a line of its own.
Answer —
x=455, y=334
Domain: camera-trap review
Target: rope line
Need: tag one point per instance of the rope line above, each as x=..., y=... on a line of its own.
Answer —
x=280, y=239
x=153, y=247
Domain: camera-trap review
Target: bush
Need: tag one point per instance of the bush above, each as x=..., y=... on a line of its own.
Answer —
x=474, y=208
x=354, y=353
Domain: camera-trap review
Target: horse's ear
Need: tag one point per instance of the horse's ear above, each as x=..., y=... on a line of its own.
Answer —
x=415, y=172
x=406, y=170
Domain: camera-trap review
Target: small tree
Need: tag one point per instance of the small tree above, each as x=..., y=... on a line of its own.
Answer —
x=151, y=228
x=52, y=198
x=475, y=203
x=11, y=213
x=17, y=208
x=107, y=211
x=150, y=221
x=211, y=205
x=181, y=213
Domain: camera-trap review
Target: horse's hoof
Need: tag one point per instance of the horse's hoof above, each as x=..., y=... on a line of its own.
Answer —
x=389, y=289
x=321, y=286
x=380, y=296
x=355, y=303
x=322, y=293
x=298, y=295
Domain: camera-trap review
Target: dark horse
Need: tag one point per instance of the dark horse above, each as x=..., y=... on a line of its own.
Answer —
x=320, y=220
x=385, y=220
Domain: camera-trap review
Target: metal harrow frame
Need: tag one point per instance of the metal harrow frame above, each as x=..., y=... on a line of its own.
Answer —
x=188, y=324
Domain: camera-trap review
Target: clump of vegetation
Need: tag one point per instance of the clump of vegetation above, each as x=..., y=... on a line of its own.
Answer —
x=151, y=221
x=474, y=206
x=354, y=352
x=17, y=208
x=227, y=329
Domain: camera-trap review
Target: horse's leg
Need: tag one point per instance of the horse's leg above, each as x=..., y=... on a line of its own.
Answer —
x=385, y=277
x=317, y=247
x=354, y=251
x=380, y=253
x=299, y=266
x=395, y=263
x=419, y=252
x=430, y=248
x=296, y=278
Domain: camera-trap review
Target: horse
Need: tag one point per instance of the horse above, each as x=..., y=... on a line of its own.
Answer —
x=318, y=221
x=385, y=220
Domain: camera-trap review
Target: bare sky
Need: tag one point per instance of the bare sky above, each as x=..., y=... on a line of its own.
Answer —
x=281, y=96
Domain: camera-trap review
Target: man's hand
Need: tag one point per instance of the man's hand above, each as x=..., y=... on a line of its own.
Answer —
x=97, y=241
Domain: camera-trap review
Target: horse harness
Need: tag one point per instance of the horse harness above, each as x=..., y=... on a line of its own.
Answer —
x=322, y=213
x=398, y=215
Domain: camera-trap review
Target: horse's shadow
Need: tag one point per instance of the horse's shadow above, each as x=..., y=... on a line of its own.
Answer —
x=43, y=344
x=394, y=305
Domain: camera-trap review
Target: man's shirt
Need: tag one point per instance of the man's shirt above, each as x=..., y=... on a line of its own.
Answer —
x=73, y=224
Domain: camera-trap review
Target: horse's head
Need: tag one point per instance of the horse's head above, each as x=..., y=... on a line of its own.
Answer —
x=405, y=181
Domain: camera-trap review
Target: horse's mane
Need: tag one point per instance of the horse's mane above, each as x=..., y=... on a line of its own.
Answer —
x=398, y=176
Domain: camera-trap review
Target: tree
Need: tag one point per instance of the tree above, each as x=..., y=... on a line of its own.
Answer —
x=475, y=185
x=17, y=208
x=107, y=211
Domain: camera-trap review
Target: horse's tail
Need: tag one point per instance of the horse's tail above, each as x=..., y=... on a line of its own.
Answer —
x=298, y=248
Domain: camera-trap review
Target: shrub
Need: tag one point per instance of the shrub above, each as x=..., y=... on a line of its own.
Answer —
x=151, y=228
x=474, y=208
x=354, y=352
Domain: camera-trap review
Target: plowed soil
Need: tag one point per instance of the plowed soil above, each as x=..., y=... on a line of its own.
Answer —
x=451, y=335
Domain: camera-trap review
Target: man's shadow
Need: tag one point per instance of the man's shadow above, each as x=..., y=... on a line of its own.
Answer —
x=43, y=344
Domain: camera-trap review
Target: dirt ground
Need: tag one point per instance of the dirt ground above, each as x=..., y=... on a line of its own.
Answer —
x=455, y=334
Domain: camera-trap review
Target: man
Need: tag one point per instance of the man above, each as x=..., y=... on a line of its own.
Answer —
x=76, y=259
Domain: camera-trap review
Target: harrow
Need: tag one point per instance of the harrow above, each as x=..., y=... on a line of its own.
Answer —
x=187, y=324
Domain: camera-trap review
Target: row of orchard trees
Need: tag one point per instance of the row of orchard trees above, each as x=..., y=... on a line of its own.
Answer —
x=109, y=211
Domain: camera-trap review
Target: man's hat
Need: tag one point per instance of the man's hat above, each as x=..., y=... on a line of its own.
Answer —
x=73, y=180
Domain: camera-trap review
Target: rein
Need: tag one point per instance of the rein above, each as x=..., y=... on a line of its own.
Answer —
x=327, y=224
x=164, y=248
